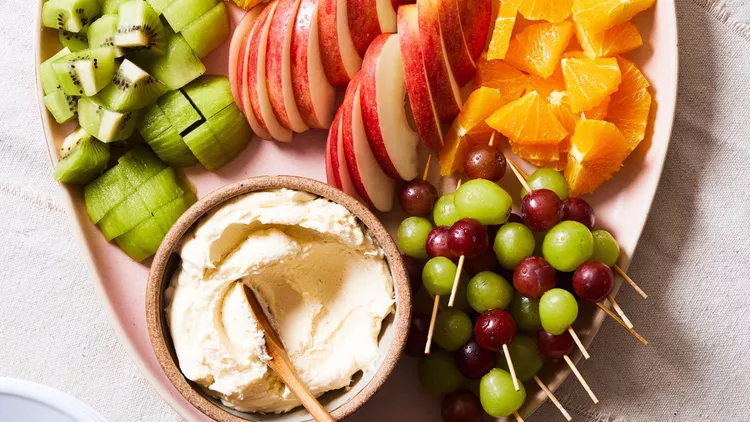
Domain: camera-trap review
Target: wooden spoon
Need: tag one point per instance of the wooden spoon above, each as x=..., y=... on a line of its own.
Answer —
x=281, y=364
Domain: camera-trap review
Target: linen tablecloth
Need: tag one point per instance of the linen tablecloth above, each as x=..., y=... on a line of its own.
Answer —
x=691, y=259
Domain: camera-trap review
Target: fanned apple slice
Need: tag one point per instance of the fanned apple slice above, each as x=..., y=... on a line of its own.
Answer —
x=238, y=72
x=368, y=19
x=386, y=16
x=340, y=58
x=476, y=19
x=279, y=66
x=463, y=65
x=370, y=181
x=339, y=170
x=331, y=144
x=314, y=94
x=420, y=98
x=255, y=71
x=383, y=91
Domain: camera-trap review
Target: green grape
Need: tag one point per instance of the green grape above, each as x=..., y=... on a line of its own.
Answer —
x=527, y=360
x=484, y=201
x=548, y=179
x=445, y=213
x=412, y=236
x=437, y=276
x=453, y=328
x=568, y=245
x=525, y=312
x=487, y=291
x=461, y=301
x=498, y=396
x=557, y=310
x=606, y=249
x=438, y=373
x=513, y=243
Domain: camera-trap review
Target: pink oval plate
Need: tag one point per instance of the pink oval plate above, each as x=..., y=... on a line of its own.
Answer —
x=622, y=207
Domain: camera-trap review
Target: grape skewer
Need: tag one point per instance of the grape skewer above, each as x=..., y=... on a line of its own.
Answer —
x=552, y=398
x=556, y=347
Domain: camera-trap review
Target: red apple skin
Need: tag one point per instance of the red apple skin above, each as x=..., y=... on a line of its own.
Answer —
x=332, y=174
x=251, y=66
x=237, y=55
x=363, y=23
x=333, y=61
x=476, y=17
x=341, y=175
x=242, y=77
x=461, y=61
x=420, y=99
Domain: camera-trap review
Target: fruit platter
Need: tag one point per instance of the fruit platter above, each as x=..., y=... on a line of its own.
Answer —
x=512, y=148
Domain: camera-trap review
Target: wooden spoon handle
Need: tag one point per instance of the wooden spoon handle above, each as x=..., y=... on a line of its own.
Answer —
x=291, y=380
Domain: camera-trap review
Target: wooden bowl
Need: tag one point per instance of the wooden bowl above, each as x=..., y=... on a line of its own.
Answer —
x=340, y=403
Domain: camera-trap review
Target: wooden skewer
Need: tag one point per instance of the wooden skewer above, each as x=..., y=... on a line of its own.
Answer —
x=552, y=398
x=518, y=417
x=580, y=379
x=456, y=280
x=427, y=168
x=578, y=343
x=630, y=281
x=431, y=330
x=620, y=312
x=511, y=368
x=622, y=323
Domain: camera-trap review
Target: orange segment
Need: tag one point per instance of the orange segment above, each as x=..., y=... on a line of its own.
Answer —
x=597, y=152
x=539, y=153
x=502, y=76
x=469, y=129
x=616, y=40
x=545, y=86
x=600, y=15
x=528, y=120
x=598, y=112
x=589, y=81
x=558, y=165
x=630, y=105
x=504, y=23
x=545, y=10
x=538, y=48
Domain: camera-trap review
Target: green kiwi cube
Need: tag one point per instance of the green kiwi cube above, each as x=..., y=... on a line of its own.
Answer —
x=160, y=5
x=124, y=217
x=209, y=31
x=210, y=94
x=206, y=147
x=231, y=129
x=178, y=110
x=182, y=13
x=140, y=29
x=63, y=107
x=82, y=158
x=131, y=89
x=153, y=122
x=47, y=75
x=69, y=15
x=105, y=192
x=171, y=148
x=101, y=33
x=178, y=67
x=140, y=164
x=105, y=124
x=85, y=72
x=111, y=7
x=75, y=41
x=160, y=189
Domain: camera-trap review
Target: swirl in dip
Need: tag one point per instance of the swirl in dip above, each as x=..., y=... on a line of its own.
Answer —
x=319, y=276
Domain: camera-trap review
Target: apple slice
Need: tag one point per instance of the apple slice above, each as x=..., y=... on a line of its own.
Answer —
x=387, y=16
x=255, y=77
x=340, y=58
x=331, y=144
x=279, y=66
x=462, y=63
x=315, y=95
x=238, y=72
x=476, y=19
x=420, y=98
x=383, y=92
x=368, y=19
x=236, y=50
x=370, y=181
x=445, y=91
x=339, y=169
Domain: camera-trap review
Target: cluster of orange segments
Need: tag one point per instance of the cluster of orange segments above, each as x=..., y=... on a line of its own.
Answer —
x=553, y=82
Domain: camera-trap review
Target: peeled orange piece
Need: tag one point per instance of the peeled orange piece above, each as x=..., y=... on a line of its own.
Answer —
x=589, y=81
x=528, y=120
x=545, y=86
x=538, y=153
x=616, y=40
x=598, y=112
x=600, y=15
x=630, y=105
x=545, y=10
x=597, y=152
x=504, y=23
x=538, y=48
x=469, y=129
x=500, y=75
x=558, y=165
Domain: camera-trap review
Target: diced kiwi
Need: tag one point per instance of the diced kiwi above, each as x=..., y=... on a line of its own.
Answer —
x=210, y=94
x=63, y=107
x=105, y=124
x=140, y=164
x=101, y=33
x=171, y=148
x=182, y=13
x=111, y=7
x=140, y=29
x=178, y=67
x=124, y=217
x=105, y=192
x=131, y=88
x=178, y=110
x=206, y=147
x=85, y=72
x=69, y=15
x=209, y=31
x=82, y=158
x=75, y=41
x=160, y=189
x=153, y=122
x=231, y=129
x=160, y=5
x=47, y=74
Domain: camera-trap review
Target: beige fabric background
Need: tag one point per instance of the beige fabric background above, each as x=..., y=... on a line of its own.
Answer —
x=691, y=259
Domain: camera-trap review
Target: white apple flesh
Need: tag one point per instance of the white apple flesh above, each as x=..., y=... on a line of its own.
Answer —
x=337, y=169
x=340, y=58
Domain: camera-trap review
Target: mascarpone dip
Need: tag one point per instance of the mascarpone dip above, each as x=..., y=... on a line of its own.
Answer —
x=320, y=277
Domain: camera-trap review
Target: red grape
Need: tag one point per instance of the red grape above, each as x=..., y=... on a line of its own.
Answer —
x=485, y=261
x=533, y=276
x=473, y=360
x=494, y=328
x=515, y=218
x=414, y=269
x=576, y=209
x=485, y=162
x=461, y=406
x=417, y=340
x=437, y=243
x=553, y=346
x=541, y=210
x=468, y=237
x=593, y=281
x=418, y=197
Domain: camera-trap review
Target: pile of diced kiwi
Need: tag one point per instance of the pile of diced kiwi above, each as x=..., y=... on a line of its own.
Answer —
x=135, y=64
